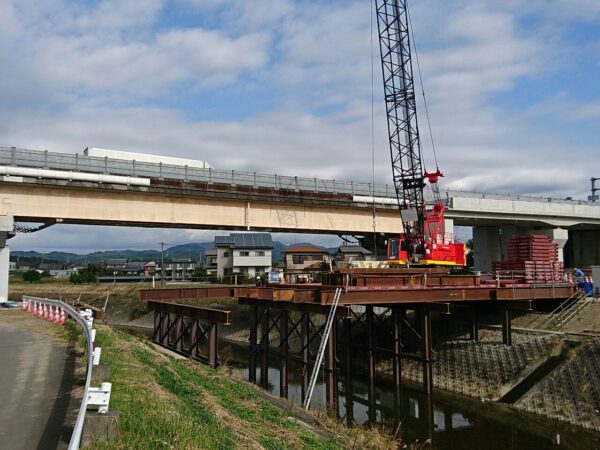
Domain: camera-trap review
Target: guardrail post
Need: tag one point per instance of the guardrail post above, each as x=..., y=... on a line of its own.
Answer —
x=133, y=167
x=333, y=186
x=160, y=170
x=106, y=164
x=97, y=353
x=315, y=184
x=45, y=159
x=233, y=177
x=210, y=175
x=276, y=187
x=186, y=172
x=13, y=156
x=254, y=180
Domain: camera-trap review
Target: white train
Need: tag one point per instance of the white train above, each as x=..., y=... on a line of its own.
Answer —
x=144, y=157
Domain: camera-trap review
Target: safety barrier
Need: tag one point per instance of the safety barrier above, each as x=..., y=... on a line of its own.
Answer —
x=56, y=311
x=15, y=157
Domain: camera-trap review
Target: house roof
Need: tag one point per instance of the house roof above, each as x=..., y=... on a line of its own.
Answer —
x=115, y=262
x=353, y=249
x=305, y=249
x=245, y=240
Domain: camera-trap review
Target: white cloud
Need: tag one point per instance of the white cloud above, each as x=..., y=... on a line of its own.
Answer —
x=82, y=76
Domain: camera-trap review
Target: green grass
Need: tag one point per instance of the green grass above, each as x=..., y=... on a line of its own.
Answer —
x=165, y=403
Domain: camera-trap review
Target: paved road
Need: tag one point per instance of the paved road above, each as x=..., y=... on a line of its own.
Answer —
x=36, y=378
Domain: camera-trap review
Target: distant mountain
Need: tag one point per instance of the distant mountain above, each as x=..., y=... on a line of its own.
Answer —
x=194, y=251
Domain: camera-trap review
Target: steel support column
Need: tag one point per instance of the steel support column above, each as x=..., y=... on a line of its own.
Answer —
x=331, y=378
x=212, y=345
x=506, y=326
x=253, y=344
x=283, y=350
x=397, y=346
x=348, y=377
x=264, y=348
x=371, y=359
x=164, y=329
x=474, y=330
x=194, y=339
x=156, y=331
x=304, y=330
x=427, y=362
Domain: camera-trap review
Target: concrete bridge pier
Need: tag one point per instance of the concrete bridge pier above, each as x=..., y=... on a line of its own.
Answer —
x=583, y=249
x=490, y=243
x=6, y=229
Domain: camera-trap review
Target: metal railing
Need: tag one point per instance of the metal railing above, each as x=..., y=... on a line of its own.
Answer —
x=89, y=334
x=74, y=162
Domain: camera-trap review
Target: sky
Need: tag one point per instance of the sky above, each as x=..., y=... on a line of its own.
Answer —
x=294, y=87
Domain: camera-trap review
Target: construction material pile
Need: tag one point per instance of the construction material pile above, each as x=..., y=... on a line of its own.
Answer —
x=531, y=259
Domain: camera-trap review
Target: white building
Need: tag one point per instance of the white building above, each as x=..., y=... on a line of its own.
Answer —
x=246, y=254
x=210, y=261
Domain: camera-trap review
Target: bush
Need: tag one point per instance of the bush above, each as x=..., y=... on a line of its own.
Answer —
x=31, y=276
x=85, y=276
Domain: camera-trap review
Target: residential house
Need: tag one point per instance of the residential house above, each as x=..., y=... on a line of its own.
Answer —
x=248, y=254
x=348, y=253
x=178, y=269
x=300, y=259
x=115, y=264
x=62, y=273
x=210, y=261
x=12, y=266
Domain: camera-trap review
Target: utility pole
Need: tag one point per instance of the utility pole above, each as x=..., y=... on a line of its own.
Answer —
x=162, y=262
x=594, y=197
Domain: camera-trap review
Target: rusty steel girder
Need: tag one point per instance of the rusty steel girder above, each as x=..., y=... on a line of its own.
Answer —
x=194, y=312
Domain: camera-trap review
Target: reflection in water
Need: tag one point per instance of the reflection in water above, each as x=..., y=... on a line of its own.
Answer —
x=452, y=422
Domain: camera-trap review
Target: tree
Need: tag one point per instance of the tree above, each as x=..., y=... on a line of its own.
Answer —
x=86, y=275
x=199, y=272
x=31, y=276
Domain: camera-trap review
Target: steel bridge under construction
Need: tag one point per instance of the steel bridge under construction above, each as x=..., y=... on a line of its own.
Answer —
x=383, y=315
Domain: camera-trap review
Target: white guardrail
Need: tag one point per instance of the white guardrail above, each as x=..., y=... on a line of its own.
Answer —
x=56, y=311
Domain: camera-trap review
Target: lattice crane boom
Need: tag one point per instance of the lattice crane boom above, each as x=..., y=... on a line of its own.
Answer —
x=401, y=110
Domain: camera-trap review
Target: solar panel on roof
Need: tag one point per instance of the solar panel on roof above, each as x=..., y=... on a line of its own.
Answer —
x=252, y=240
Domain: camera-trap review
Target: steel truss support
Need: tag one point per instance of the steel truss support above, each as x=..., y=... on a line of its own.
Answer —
x=507, y=326
x=376, y=333
x=183, y=335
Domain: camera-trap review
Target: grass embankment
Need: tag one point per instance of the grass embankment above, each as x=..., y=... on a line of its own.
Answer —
x=168, y=403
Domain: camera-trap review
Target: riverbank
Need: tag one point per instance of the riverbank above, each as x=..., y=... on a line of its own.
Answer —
x=166, y=402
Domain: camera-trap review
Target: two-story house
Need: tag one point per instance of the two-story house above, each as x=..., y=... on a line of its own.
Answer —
x=348, y=253
x=299, y=259
x=247, y=254
x=210, y=261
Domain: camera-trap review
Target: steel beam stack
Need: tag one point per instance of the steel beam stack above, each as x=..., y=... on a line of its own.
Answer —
x=531, y=259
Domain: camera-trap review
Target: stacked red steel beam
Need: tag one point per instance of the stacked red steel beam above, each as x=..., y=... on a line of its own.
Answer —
x=531, y=259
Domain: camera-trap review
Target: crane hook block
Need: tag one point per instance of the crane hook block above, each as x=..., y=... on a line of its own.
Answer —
x=433, y=177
